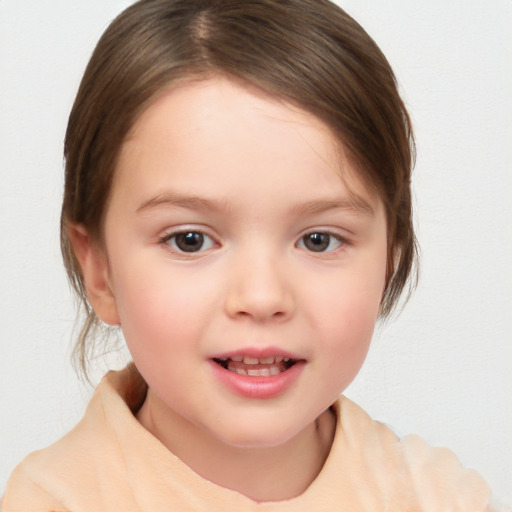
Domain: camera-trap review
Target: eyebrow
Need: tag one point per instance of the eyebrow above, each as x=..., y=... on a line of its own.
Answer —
x=181, y=201
x=354, y=203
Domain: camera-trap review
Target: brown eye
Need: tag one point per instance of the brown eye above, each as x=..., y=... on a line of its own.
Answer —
x=319, y=242
x=189, y=241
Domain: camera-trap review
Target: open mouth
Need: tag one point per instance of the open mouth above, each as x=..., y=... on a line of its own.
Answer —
x=256, y=367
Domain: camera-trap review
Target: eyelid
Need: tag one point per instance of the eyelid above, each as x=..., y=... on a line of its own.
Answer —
x=186, y=228
x=175, y=231
x=344, y=241
x=338, y=232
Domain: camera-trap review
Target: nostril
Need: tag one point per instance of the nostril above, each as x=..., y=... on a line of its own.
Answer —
x=260, y=300
x=262, y=315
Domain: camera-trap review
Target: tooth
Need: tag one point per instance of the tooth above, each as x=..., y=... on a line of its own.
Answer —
x=279, y=359
x=274, y=370
x=265, y=372
x=286, y=359
x=267, y=360
x=222, y=358
x=250, y=360
x=253, y=373
x=240, y=371
x=237, y=359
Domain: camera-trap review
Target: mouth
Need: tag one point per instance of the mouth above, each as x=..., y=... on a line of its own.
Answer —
x=256, y=366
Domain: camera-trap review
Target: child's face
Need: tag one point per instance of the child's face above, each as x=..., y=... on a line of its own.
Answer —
x=230, y=234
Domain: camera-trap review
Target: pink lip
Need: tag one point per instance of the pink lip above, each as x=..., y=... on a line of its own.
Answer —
x=259, y=353
x=258, y=387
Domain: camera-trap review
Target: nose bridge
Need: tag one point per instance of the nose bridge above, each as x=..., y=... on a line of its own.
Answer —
x=259, y=285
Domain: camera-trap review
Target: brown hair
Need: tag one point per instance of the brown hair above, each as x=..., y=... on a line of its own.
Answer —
x=306, y=52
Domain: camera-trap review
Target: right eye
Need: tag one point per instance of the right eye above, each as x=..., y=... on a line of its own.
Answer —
x=189, y=241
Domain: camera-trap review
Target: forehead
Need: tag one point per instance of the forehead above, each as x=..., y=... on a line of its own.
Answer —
x=221, y=124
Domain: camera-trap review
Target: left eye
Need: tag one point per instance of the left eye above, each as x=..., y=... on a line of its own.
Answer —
x=189, y=241
x=319, y=242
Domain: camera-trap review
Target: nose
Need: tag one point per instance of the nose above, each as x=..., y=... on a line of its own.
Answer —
x=261, y=289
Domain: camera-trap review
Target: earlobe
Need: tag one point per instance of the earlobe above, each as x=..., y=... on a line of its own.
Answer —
x=95, y=270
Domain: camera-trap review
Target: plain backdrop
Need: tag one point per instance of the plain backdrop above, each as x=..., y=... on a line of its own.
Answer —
x=442, y=369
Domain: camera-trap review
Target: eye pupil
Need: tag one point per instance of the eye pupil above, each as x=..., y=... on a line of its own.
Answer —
x=317, y=242
x=189, y=242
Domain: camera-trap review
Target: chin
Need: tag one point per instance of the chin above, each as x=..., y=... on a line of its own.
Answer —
x=258, y=436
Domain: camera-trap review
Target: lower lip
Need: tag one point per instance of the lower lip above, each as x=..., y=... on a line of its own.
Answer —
x=258, y=387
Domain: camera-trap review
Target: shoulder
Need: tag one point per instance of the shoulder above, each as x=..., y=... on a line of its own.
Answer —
x=69, y=474
x=437, y=475
x=25, y=491
x=430, y=478
x=46, y=478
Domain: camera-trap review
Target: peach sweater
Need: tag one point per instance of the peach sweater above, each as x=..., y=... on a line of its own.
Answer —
x=109, y=462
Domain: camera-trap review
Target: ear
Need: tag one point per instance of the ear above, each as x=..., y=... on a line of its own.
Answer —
x=96, y=274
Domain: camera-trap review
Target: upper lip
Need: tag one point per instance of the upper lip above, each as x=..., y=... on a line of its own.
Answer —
x=257, y=353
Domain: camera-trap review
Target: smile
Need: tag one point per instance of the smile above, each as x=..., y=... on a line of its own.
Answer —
x=258, y=373
x=254, y=366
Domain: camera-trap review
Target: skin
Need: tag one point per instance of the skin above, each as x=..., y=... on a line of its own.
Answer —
x=256, y=177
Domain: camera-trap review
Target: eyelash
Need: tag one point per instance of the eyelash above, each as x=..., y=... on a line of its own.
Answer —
x=331, y=237
x=323, y=240
x=174, y=237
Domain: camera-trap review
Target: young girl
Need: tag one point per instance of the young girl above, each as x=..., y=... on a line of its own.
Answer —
x=237, y=199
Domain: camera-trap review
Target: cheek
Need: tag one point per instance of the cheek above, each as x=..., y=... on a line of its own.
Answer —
x=346, y=315
x=350, y=301
x=351, y=327
x=161, y=309
x=350, y=324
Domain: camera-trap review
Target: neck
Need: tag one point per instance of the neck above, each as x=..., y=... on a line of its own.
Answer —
x=262, y=474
